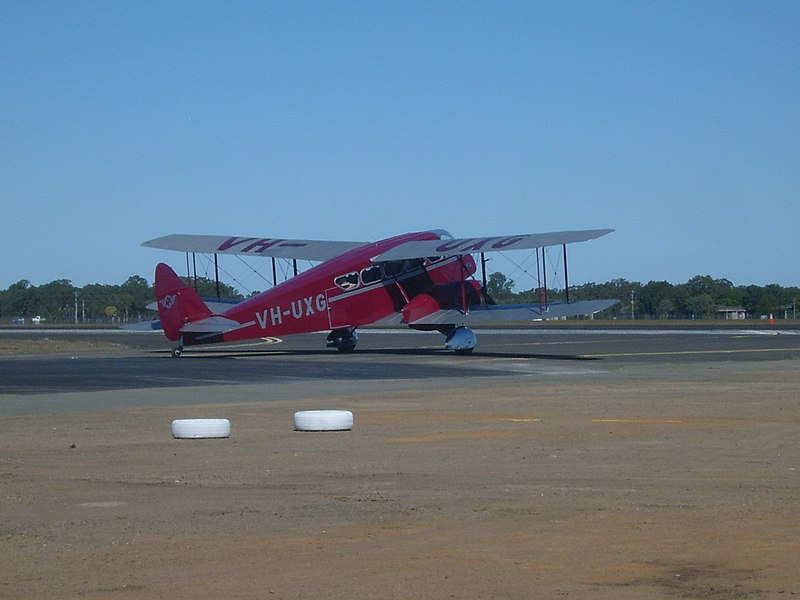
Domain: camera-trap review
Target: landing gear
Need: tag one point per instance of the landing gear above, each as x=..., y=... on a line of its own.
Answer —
x=176, y=351
x=461, y=340
x=344, y=340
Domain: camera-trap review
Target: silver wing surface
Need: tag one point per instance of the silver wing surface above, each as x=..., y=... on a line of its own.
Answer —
x=451, y=247
x=504, y=313
x=316, y=250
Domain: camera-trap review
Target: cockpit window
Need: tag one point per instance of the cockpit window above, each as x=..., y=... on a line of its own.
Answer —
x=393, y=268
x=347, y=282
x=371, y=274
x=396, y=268
x=412, y=263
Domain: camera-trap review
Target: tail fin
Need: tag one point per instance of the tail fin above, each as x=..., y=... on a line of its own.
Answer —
x=178, y=304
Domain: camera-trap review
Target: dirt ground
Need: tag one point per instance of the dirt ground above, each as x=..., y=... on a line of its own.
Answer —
x=681, y=482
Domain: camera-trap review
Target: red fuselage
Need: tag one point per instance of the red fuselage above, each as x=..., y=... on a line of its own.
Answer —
x=349, y=291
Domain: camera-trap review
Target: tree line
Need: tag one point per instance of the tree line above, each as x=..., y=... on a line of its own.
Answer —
x=702, y=297
x=699, y=298
x=61, y=302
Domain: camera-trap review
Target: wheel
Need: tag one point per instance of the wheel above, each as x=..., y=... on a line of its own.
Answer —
x=176, y=352
x=461, y=340
x=344, y=340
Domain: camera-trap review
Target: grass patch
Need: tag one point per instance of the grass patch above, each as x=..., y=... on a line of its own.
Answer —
x=48, y=346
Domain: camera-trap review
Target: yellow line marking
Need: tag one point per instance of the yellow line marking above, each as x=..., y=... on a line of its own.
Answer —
x=750, y=335
x=534, y=343
x=262, y=341
x=449, y=436
x=646, y=421
x=217, y=351
x=677, y=353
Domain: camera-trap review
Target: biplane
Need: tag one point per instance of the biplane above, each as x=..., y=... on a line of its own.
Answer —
x=424, y=281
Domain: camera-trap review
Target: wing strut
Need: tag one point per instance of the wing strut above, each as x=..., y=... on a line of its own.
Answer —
x=464, y=305
x=483, y=277
x=194, y=269
x=541, y=278
x=216, y=275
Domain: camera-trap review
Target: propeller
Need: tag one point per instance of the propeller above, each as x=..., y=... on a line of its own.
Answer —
x=487, y=299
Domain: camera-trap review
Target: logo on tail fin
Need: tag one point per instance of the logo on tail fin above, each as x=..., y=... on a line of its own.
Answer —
x=168, y=301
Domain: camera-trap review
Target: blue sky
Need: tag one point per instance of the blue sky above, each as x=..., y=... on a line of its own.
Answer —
x=677, y=124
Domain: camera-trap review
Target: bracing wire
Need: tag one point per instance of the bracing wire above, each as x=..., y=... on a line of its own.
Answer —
x=256, y=271
x=283, y=265
x=241, y=285
x=555, y=265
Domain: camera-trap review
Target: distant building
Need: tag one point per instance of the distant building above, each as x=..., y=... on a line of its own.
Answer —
x=730, y=313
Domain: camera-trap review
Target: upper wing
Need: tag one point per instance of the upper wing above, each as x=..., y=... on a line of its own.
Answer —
x=488, y=244
x=317, y=250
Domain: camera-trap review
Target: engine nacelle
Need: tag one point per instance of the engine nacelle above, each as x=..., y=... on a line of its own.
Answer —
x=462, y=340
x=344, y=340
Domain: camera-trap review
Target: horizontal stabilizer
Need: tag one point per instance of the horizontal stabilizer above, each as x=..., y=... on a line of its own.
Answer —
x=154, y=325
x=505, y=313
x=215, y=324
x=423, y=249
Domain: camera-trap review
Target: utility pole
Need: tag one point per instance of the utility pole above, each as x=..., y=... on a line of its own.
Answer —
x=633, y=303
x=76, y=308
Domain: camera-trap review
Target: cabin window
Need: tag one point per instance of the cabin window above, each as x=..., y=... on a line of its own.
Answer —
x=347, y=282
x=371, y=274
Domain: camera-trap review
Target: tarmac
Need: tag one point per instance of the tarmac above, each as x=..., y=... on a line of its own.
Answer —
x=584, y=464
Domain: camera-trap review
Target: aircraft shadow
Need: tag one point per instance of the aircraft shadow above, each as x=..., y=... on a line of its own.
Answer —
x=222, y=353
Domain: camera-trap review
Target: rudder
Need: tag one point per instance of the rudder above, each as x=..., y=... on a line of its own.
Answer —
x=178, y=304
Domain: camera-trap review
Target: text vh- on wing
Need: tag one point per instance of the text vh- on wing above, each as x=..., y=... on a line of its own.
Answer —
x=451, y=247
x=316, y=250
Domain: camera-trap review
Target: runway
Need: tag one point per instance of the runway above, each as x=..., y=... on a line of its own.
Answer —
x=142, y=360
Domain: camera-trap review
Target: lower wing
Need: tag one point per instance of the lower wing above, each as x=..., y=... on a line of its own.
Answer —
x=504, y=313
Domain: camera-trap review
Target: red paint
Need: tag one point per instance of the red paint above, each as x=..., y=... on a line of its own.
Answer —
x=421, y=306
x=178, y=304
